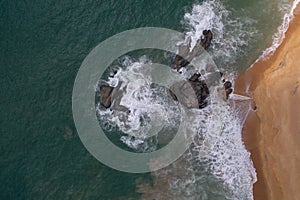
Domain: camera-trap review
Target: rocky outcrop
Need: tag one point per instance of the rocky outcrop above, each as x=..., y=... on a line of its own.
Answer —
x=202, y=44
x=105, y=95
x=186, y=56
x=195, y=77
x=227, y=85
x=185, y=94
x=179, y=62
x=228, y=88
x=206, y=41
x=192, y=93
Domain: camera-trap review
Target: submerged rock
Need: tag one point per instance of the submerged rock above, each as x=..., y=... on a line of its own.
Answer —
x=213, y=79
x=185, y=94
x=184, y=48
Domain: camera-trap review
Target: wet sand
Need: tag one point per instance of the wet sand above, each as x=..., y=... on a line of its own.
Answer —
x=272, y=130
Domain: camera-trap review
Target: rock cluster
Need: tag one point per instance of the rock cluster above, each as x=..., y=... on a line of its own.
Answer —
x=185, y=56
x=200, y=88
x=192, y=93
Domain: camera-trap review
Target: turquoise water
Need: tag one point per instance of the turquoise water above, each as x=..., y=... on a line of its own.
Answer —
x=43, y=44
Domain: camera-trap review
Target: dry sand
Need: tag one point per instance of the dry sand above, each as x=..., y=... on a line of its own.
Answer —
x=272, y=132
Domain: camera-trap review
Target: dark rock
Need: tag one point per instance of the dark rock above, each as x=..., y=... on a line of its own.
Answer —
x=185, y=56
x=113, y=72
x=179, y=62
x=206, y=41
x=195, y=77
x=202, y=43
x=182, y=58
x=227, y=85
x=105, y=95
x=201, y=91
x=228, y=92
x=205, y=93
x=203, y=104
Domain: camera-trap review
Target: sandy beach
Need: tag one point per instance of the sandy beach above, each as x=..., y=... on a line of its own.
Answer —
x=272, y=130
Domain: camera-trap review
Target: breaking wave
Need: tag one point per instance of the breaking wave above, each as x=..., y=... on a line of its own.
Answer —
x=219, y=166
x=231, y=34
x=279, y=36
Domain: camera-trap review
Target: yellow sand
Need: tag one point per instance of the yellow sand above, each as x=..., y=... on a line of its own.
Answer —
x=272, y=133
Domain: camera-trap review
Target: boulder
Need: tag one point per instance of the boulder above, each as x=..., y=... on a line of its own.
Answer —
x=181, y=59
x=192, y=93
x=186, y=56
x=202, y=44
x=228, y=92
x=206, y=41
x=195, y=77
x=185, y=94
x=179, y=62
x=201, y=90
x=227, y=85
x=105, y=95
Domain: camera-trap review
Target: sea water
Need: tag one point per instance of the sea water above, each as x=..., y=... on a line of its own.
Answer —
x=42, y=46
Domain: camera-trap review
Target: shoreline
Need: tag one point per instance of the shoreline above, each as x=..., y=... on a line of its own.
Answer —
x=271, y=132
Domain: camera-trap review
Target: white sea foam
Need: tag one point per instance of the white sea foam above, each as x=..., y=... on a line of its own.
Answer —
x=150, y=108
x=217, y=144
x=219, y=141
x=279, y=36
x=231, y=34
x=217, y=164
x=217, y=147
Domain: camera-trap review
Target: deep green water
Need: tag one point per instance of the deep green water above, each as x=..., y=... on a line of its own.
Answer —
x=43, y=44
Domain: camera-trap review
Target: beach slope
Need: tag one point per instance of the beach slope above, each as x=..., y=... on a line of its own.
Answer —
x=272, y=129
